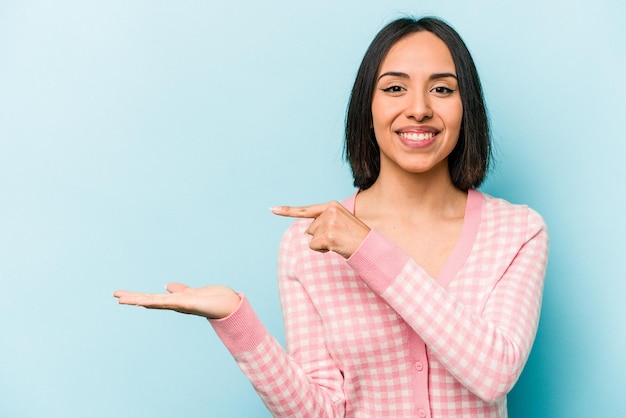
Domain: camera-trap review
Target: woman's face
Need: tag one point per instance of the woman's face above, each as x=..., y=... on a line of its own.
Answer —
x=416, y=107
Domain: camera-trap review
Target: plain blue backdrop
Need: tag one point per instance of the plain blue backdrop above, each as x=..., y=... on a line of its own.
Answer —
x=142, y=142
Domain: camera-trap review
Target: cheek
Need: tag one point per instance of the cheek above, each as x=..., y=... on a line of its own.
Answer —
x=378, y=119
x=454, y=116
x=460, y=114
x=383, y=114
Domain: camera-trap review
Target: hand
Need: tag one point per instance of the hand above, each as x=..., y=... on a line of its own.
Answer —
x=334, y=228
x=212, y=302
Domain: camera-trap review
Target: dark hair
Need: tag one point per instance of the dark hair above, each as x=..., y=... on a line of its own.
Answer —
x=469, y=161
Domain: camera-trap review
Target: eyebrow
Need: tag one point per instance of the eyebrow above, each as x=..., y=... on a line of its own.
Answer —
x=435, y=76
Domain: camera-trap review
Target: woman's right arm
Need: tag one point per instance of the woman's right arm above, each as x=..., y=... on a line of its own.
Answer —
x=303, y=383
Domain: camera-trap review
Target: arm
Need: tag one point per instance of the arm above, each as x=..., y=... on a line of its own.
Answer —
x=486, y=348
x=305, y=384
x=282, y=384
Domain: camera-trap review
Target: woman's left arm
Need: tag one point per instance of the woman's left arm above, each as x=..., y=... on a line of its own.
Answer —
x=484, y=347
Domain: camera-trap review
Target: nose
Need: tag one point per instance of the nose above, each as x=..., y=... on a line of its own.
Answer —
x=419, y=106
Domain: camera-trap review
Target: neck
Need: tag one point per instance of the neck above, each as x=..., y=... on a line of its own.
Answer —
x=413, y=196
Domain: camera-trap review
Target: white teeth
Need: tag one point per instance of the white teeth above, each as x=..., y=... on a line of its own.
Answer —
x=413, y=136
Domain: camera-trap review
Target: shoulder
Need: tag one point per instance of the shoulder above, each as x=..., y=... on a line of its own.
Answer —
x=296, y=232
x=518, y=219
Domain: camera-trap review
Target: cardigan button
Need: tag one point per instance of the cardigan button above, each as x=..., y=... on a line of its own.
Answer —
x=421, y=413
x=419, y=366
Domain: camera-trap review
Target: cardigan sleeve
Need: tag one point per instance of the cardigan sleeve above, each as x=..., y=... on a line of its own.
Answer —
x=485, y=347
x=304, y=383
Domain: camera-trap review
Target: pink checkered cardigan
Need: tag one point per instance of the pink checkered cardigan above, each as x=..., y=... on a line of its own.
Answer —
x=376, y=336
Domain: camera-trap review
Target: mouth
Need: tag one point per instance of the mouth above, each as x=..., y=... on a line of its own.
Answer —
x=417, y=136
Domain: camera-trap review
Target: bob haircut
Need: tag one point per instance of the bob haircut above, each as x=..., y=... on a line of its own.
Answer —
x=469, y=160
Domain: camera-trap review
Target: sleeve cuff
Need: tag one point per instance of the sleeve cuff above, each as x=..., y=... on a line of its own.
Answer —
x=378, y=261
x=242, y=330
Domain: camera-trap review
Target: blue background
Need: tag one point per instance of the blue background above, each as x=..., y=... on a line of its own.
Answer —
x=143, y=141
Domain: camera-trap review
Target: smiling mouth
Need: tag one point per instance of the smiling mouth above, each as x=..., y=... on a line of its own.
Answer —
x=417, y=137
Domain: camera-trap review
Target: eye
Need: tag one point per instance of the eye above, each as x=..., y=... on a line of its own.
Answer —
x=393, y=89
x=442, y=90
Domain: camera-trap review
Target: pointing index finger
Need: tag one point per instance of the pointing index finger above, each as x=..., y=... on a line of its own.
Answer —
x=311, y=211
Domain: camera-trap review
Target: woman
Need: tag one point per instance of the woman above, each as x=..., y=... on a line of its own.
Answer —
x=418, y=296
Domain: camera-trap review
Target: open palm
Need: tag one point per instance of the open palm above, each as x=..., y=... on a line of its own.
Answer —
x=209, y=301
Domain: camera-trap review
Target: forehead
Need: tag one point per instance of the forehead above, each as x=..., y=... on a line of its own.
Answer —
x=419, y=51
